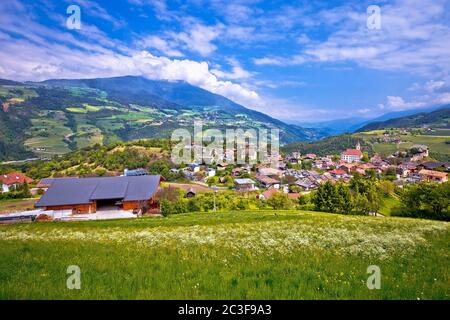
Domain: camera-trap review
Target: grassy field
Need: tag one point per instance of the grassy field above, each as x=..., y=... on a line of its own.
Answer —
x=7, y=206
x=233, y=255
x=438, y=144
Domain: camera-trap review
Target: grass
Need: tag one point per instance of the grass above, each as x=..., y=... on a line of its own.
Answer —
x=54, y=142
x=231, y=255
x=388, y=204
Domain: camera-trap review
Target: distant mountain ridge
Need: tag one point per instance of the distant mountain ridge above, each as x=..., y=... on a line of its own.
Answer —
x=439, y=118
x=353, y=124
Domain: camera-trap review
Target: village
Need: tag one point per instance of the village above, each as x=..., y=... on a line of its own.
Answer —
x=135, y=191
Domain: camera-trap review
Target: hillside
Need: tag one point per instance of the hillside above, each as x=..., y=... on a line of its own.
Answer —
x=383, y=142
x=58, y=116
x=105, y=160
x=436, y=119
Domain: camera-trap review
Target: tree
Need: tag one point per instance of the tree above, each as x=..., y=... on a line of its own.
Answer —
x=345, y=202
x=280, y=201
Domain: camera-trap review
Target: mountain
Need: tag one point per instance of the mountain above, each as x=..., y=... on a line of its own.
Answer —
x=347, y=125
x=428, y=128
x=57, y=116
x=437, y=119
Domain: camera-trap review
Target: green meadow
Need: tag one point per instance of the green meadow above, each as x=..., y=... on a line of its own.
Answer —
x=229, y=255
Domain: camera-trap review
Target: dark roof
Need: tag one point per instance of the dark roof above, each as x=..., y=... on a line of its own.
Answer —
x=137, y=172
x=72, y=191
x=434, y=165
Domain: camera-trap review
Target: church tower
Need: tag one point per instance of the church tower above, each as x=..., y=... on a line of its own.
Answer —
x=358, y=146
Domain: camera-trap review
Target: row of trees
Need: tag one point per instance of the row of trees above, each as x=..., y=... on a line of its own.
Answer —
x=172, y=201
x=425, y=200
x=360, y=196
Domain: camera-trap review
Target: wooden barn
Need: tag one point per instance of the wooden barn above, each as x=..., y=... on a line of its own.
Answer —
x=89, y=195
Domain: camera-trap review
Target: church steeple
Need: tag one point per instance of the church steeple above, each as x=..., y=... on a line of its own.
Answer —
x=358, y=146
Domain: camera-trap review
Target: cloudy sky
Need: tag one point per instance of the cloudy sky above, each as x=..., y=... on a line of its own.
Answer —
x=295, y=60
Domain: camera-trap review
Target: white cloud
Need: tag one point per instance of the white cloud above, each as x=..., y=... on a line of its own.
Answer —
x=433, y=85
x=161, y=45
x=198, y=38
x=411, y=39
x=237, y=72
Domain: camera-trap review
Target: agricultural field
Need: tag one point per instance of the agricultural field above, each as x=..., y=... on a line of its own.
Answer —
x=48, y=133
x=8, y=206
x=229, y=255
x=438, y=144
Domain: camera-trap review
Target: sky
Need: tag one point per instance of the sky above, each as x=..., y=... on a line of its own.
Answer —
x=305, y=61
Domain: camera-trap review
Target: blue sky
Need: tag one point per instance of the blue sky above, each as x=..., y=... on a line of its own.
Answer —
x=294, y=60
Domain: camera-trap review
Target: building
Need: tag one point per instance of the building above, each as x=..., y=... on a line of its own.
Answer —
x=270, y=172
x=11, y=181
x=352, y=155
x=268, y=182
x=45, y=183
x=244, y=185
x=435, y=176
x=268, y=194
x=191, y=193
x=433, y=165
x=89, y=195
x=133, y=173
x=337, y=173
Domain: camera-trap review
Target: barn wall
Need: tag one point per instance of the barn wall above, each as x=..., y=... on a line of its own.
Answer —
x=79, y=208
x=135, y=205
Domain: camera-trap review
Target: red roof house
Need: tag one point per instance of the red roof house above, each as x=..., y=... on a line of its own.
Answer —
x=13, y=179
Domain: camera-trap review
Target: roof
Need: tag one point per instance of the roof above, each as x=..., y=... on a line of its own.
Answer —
x=137, y=172
x=293, y=195
x=434, y=165
x=431, y=173
x=266, y=180
x=47, y=182
x=69, y=191
x=352, y=152
x=244, y=181
x=15, y=178
x=337, y=172
x=269, y=193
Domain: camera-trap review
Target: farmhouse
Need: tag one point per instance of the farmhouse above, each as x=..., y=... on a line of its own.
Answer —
x=435, y=176
x=244, y=184
x=89, y=195
x=11, y=181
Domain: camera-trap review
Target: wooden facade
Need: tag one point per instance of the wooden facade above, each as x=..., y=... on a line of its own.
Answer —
x=76, y=208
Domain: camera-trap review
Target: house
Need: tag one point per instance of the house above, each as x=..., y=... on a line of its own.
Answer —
x=244, y=184
x=435, y=176
x=337, y=173
x=270, y=172
x=310, y=156
x=432, y=165
x=405, y=169
x=222, y=166
x=191, y=193
x=267, y=194
x=11, y=181
x=347, y=167
x=352, y=155
x=267, y=181
x=236, y=172
x=306, y=184
x=89, y=195
x=137, y=172
x=210, y=173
